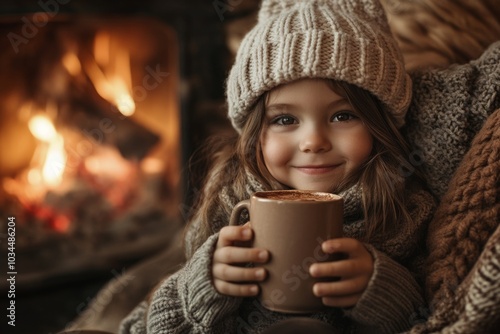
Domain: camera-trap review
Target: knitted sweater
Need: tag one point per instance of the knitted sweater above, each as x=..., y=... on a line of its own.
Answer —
x=187, y=302
x=449, y=108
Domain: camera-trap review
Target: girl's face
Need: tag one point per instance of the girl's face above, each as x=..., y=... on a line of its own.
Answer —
x=312, y=138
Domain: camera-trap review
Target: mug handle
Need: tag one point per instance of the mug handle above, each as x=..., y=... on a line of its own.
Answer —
x=237, y=210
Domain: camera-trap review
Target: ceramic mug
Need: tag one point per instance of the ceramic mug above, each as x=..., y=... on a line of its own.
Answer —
x=291, y=225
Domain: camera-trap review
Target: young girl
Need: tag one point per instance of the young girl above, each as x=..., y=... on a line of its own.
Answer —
x=317, y=94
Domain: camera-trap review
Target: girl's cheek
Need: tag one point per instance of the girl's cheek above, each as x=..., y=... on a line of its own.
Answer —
x=275, y=151
x=356, y=146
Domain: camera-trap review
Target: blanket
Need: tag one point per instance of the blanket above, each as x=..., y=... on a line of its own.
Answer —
x=438, y=33
x=463, y=265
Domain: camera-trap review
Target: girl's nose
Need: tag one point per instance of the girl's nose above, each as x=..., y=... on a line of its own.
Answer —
x=314, y=141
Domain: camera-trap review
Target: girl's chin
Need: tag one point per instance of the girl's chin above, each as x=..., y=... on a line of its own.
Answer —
x=314, y=185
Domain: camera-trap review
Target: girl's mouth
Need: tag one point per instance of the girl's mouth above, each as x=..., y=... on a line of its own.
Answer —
x=317, y=170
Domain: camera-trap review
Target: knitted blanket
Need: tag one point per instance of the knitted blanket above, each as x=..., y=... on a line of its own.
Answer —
x=463, y=266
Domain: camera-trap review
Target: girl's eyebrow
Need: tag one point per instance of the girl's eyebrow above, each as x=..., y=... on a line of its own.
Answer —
x=280, y=107
x=290, y=106
x=338, y=102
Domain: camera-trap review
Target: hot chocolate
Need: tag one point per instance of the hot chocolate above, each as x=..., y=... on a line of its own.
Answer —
x=297, y=195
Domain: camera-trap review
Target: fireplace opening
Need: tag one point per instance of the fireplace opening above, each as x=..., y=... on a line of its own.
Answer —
x=90, y=143
x=85, y=226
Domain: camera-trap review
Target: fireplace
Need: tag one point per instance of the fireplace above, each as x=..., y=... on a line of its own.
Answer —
x=101, y=106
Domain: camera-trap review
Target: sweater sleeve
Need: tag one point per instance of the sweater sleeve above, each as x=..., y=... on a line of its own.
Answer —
x=135, y=321
x=392, y=299
x=186, y=302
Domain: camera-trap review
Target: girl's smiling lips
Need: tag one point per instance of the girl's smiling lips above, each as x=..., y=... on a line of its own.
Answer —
x=316, y=169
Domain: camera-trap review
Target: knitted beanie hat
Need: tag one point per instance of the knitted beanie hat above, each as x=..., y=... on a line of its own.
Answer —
x=347, y=40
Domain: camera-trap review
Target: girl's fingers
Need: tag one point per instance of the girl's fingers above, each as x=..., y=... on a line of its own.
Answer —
x=229, y=234
x=340, y=288
x=236, y=290
x=342, y=268
x=237, y=274
x=358, y=262
x=236, y=255
x=343, y=245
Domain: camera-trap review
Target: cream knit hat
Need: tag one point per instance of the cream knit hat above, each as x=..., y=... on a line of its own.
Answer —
x=347, y=40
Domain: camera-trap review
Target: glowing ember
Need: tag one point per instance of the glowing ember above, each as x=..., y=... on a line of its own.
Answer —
x=107, y=163
x=152, y=165
x=61, y=223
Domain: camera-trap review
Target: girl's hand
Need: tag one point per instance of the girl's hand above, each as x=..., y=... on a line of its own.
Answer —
x=354, y=272
x=230, y=275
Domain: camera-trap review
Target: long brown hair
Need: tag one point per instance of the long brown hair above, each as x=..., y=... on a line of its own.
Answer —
x=230, y=158
x=380, y=178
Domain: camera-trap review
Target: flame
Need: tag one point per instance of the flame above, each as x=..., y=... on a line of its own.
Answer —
x=101, y=48
x=71, y=63
x=34, y=176
x=113, y=83
x=42, y=128
x=53, y=159
x=53, y=167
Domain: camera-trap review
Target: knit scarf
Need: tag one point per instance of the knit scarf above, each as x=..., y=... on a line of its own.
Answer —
x=399, y=242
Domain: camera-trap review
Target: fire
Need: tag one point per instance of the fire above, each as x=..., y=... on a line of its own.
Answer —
x=71, y=63
x=53, y=167
x=51, y=158
x=111, y=80
x=45, y=173
x=42, y=128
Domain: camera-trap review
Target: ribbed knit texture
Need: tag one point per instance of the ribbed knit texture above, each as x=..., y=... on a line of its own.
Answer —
x=378, y=309
x=186, y=302
x=347, y=40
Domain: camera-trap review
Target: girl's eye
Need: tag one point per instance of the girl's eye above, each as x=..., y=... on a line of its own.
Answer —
x=343, y=117
x=283, y=120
